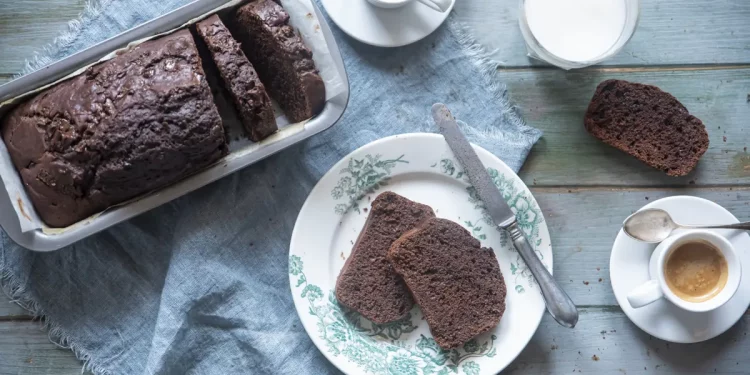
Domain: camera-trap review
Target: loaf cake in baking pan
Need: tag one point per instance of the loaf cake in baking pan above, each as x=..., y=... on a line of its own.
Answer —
x=129, y=125
x=147, y=117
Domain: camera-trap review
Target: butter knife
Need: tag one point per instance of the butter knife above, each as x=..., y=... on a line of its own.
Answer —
x=559, y=305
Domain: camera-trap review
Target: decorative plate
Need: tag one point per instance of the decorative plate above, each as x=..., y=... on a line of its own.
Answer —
x=420, y=167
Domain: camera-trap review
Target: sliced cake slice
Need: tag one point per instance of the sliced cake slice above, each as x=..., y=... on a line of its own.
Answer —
x=281, y=58
x=456, y=282
x=367, y=283
x=240, y=79
x=647, y=123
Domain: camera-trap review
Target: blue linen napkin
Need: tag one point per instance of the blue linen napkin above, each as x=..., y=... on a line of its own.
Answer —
x=201, y=285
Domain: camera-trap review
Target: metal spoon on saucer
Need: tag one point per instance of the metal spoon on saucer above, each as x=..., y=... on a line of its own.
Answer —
x=655, y=225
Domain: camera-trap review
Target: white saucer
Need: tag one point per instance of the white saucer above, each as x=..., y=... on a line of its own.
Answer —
x=629, y=268
x=384, y=27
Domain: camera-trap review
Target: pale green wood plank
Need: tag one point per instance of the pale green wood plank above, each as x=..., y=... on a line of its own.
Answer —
x=619, y=347
x=669, y=32
x=584, y=223
x=556, y=101
x=26, y=349
x=10, y=310
x=28, y=25
x=622, y=348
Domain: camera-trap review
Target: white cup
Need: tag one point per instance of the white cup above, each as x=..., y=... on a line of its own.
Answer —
x=438, y=5
x=657, y=288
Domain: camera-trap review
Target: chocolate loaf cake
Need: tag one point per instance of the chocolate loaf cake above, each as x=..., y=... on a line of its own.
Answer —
x=240, y=79
x=281, y=58
x=647, y=123
x=367, y=283
x=126, y=126
x=456, y=282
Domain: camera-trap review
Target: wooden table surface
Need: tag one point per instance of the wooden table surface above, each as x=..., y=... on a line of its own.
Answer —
x=698, y=50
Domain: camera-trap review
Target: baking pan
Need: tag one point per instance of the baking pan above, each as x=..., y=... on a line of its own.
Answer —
x=53, y=239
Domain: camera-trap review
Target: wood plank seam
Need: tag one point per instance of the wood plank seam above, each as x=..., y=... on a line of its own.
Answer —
x=557, y=189
x=629, y=68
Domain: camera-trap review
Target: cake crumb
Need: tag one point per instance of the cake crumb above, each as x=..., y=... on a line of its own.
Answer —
x=595, y=357
x=585, y=283
x=342, y=256
x=725, y=138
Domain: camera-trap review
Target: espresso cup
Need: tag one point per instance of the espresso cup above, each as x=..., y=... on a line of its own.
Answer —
x=438, y=5
x=660, y=287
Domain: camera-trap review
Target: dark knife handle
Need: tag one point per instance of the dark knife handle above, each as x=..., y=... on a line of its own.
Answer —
x=559, y=305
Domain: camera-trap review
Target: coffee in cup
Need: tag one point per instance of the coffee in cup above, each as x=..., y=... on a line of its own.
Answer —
x=696, y=271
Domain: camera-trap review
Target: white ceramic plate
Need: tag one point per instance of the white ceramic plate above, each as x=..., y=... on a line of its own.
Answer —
x=420, y=167
x=629, y=268
x=384, y=27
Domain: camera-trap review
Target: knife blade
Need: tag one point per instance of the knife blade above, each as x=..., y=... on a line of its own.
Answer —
x=559, y=305
x=478, y=176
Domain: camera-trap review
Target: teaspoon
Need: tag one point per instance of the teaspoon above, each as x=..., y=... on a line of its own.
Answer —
x=655, y=225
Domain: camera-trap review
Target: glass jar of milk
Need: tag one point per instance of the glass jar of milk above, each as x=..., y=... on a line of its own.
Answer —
x=577, y=33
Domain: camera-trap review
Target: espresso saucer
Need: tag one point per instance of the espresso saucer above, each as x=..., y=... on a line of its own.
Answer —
x=384, y=27
x=629, y=267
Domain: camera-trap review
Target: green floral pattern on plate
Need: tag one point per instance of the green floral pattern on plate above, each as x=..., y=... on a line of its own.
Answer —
x=380, y=349
x=362, y=176
x=528, y=215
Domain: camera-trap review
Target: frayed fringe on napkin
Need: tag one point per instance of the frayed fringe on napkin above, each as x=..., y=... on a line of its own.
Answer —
x=47, y=54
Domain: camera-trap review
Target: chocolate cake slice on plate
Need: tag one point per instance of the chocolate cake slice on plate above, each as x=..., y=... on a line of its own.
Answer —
x=281, y=58
x=457, y=283
x=367, y=282
x=647, y=123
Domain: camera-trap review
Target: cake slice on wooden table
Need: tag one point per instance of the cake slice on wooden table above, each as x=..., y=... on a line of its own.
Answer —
x=647, y=123
x=457, y=283
x=281, y=58
x=367, y=282
x=240, y=79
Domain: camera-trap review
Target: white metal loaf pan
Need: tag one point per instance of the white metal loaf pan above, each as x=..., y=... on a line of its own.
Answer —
x=46, y=240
